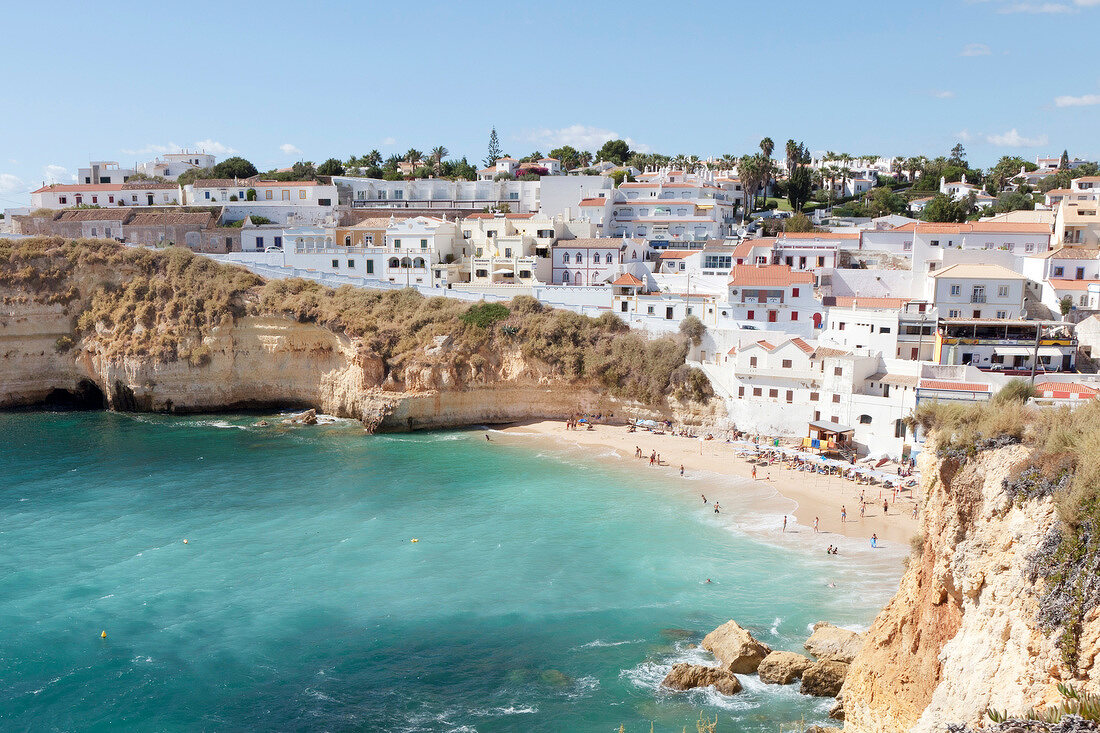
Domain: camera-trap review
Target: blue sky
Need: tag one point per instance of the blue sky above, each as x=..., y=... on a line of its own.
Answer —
x=283, y=81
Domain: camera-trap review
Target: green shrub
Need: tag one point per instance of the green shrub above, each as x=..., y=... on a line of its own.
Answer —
x=484, y=315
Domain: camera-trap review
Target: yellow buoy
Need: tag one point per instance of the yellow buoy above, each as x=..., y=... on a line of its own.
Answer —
x=103, y=635
x=415, y=539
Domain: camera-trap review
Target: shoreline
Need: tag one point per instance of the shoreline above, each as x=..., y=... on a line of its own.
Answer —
x=809, y=495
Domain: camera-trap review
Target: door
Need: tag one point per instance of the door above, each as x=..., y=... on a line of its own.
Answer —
x=668, y=313
x=624, y=304
x=773, y=316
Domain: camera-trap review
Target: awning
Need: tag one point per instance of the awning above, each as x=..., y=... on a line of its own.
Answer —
x=1052, y=351
x=1013, y=350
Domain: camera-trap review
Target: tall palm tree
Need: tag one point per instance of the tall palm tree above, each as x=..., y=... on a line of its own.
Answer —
x=767, y=147
x=438, y=154
x=373, y=158
x=691, y=163
x=793, y=154
x=414, y=156
x=584, y=159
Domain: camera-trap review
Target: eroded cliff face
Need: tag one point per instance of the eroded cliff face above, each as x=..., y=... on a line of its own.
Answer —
x=273, y=361
x=960, y=637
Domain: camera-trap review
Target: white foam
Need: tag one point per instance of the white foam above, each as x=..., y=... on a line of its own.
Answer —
x=601, y=643
x=504, y=710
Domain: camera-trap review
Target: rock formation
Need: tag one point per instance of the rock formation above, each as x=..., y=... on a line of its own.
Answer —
x=824, y=678
x=735, y=648
x=782, y=668
x=832, y=642
x=689, y=676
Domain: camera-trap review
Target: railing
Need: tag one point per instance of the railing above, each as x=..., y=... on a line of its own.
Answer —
x=977, y=298
x=429, y=203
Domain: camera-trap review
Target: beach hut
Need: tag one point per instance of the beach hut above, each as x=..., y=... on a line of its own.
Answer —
x=829, y=437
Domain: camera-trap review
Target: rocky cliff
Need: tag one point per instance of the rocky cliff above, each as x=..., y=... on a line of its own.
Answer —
x=961, y=635
x=98, y=323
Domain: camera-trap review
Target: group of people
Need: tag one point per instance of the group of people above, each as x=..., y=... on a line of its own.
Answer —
x=654, y=458
x=574, y=421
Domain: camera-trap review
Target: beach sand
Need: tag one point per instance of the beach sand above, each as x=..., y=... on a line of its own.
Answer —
x=809, y=495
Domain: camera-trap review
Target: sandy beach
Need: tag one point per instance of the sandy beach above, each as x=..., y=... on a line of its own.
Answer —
x=810, y=495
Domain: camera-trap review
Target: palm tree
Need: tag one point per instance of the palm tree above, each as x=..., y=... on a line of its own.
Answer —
x=793, y=154
x=414, y=156
x=373, y=158
x=584, y=159
x=679, y=161
x=691, y=163
x=438, y=154
x=767, y=147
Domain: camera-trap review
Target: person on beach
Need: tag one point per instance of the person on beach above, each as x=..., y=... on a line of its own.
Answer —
x=784, y=522
x=487, y=438
x=885, y=507
x=681, y=469
x=704, y=498
x=754, y=472
x=815, y=525
x=874, y=540
x=862, y=509
x=914, y=511
x=716, y=507
x=829, y=550
x=843, y=514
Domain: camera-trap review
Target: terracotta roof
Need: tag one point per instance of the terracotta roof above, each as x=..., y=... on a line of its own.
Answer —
x=1089, y=179
x=762, y=343
x=909, y=227
x=802, y=345
x=949, y=386
x=482, y=215
x=249, y=183
x=628, y=280
x=1067, y=284
x=767, y=276
x=818, y=235
x=113, y=214
x=79, y=187
x=824, y=352
x=148, y=186
x=676, y=254
x=518, y=216
x=982, y=227
x=1064, y=389
x=847, y=301
x=594, y=202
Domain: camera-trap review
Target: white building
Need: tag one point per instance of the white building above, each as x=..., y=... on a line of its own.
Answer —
x=437, y=193
x=103, y=171
x=283, y=202
x=586, y=261
x=138, y=193
x=172, y=165
x=977, y=291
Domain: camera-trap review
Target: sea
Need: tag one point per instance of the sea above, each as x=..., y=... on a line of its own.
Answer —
x=166, y=573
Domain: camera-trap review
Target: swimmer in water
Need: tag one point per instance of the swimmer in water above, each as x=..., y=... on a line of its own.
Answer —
x=487, y=438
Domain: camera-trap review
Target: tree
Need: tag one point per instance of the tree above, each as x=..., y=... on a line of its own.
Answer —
x=413, y=156
x=567, y=155
x=532, y=157
x=792, y=150
x=438, y=154
x=944, y=209
x=331, y=167
x=767, y=147
x=621, y=175
x=1063, y=162
x=584, y=159
x=493, y=154
x=799, y=187
x=958, y=156
x=752, y=170
x=800, y=223
x=882, y=201
x=1012, y=201
x=692, y=328
x=1005, y=169
x=614, y=151
x=235, y=167
x=1065, y=305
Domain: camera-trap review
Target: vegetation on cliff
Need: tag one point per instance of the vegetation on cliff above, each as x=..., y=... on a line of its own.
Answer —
x=1064, y=464
x=166, y=304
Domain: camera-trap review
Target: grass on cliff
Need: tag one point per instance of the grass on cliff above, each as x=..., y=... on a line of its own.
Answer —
x=1063, y=464
x=164, y=304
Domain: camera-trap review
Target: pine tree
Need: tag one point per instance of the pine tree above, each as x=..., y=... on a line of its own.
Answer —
x=1063, y=163
x=494, y=149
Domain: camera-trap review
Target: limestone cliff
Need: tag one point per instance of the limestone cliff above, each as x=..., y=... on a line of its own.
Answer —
x=960, y=636
x=108, y=328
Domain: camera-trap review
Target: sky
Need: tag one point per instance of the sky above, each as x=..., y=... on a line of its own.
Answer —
x=278, y=82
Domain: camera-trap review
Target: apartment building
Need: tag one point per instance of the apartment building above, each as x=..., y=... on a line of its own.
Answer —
x=435, y=193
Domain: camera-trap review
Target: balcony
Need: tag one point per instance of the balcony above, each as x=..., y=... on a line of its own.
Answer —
x=977, y=298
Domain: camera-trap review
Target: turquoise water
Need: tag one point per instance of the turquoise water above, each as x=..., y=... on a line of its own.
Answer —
x=546, y=593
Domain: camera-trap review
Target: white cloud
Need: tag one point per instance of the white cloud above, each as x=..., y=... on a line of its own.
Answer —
x=57, y=174
x=11, y=184
x=289, y=149
x=975, y=49
x=389, y=141
x=964, y=136
x=214, y=147
x=1013, y=139
x=942, y=94
x=1085, y=100
x=581, y=137
x=1035, y=8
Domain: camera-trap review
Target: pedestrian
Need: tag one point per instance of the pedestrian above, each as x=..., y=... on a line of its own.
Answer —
x=843, y=514
x=874, y=540
x=862, y=509
x=815, y=525
x=885, y=507
x=716, y=507
x=704, y=498
x=754, y=471
x=784, y=522
x=681, y=469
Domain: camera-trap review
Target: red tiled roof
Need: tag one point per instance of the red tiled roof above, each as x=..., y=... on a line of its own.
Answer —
x=78, y=187
x=676, y=254
x=481, y=215
x=819, y=235
x=1064, y=389
x=594, y=202
x=1067, y=284
x=949, y=386
x=628, y=280
x=518, y=216
x=767, y=276
x=802, y=345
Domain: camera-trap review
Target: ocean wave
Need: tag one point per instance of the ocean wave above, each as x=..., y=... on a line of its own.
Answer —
x=582, y=687
x=318, y=695
x=599, y=643
x=498, y=711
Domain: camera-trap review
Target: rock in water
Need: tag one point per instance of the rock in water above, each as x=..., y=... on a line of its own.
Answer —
x=824, y=678
x=735, y=648
x=782, y=668
x=819, y=729
x=831, y=642
x=689, y=676
x=836, y=712
x=309, y=417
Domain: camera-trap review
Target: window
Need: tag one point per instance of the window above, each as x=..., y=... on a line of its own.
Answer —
x=397, y=244
x=840, y=326
x=370, y=267
x=1004, y=314
x=1080, y=273
x=649, y=310
x=394, y=263
x=1058, y=271
x=836, y=399
x=838, y=371
x=259, y=242
x=935, y=243
x=756, y=392
x=790, y=396
x=817, y=414
x=301, y=193
x=347, y=240
x=773, y=393
x=956, y=289
x=286, y=194
x=1002, y=291
x=813, y=396
x=740, y=391
x=565, y=258
x=752, y=361
x=580, y=258
x=952, y=314
x=786, y=363
x=336, y=264
x=899, y=429
x=111, y=200
x=864, y=419
x=794, y=315
x=794, y=292
x=751, y=315
x=423, y=244
x=268, y=194
x=565, y=279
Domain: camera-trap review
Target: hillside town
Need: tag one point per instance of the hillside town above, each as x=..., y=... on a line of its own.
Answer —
x=826, y=294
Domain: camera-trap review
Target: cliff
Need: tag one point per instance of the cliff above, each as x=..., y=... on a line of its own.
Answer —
x=98, y=323
x=965, y=631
